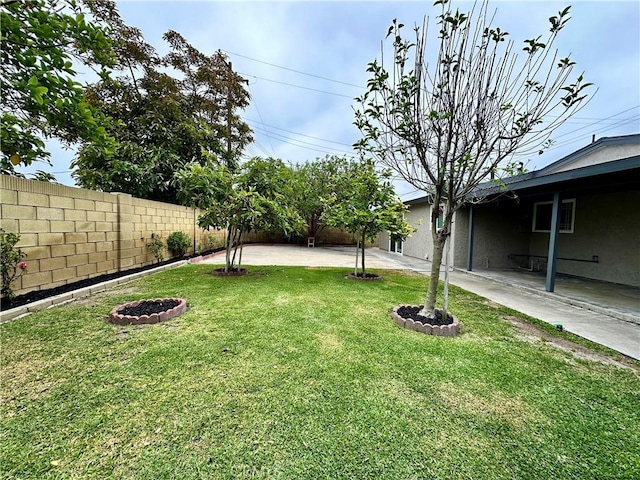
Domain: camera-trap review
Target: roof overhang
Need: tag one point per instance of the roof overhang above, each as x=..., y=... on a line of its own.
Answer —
x=625, y=171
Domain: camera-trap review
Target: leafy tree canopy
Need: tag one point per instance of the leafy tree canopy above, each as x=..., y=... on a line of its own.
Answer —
x=168, y=112
x=41, y=97
x=314, y=181
x=256, y=196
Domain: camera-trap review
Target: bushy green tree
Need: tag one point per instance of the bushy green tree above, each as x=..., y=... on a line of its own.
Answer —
x=314, y=181
x=41, y=95
x=364, y=203
x=162, y=121
x=447, y=126
x=253, y=197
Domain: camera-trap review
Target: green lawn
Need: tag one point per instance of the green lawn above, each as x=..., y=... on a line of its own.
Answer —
x=299, y=373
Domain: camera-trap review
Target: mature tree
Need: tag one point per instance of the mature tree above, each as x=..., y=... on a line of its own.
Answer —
x=41, y=97
x=313, y=182
x=253, y=197
x=162, y=121
x=447, y=128
x=365, y=204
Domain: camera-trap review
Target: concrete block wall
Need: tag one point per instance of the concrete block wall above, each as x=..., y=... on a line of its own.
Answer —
x=71, y=234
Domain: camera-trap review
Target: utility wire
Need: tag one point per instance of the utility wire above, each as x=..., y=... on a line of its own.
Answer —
x=297, y=133
x=595, y=123
x=293, y=70
x=305, y=143
x=296, y=86
x=261, y=121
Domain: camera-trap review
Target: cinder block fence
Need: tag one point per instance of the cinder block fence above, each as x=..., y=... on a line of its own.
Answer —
x=72, y=234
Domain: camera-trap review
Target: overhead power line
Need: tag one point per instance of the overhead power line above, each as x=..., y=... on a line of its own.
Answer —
x=294, y=70
x=278, y=136
x=296, y=86
x=300, y=134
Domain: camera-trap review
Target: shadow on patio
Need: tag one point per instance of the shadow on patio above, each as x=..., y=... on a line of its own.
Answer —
x=621, y=301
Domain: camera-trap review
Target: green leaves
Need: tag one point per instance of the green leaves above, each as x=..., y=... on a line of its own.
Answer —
x=41, y=96
x=37, y=91
x=187, y=117
x=575, y=92
x=258, y=196
x=557, y=23
x=363, y=201
x=533, y=45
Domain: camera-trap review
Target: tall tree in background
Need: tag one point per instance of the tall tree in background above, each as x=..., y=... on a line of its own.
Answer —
x=162, y=122
x=315, y=181
x=447, y=127
x=41, y=97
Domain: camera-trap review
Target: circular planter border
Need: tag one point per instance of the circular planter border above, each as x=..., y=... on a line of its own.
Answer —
x=351, y=276
x=450, y=330
x=219, y=272
x=119, y=319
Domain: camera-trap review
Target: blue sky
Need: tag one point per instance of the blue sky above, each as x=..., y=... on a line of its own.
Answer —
x=306, y=61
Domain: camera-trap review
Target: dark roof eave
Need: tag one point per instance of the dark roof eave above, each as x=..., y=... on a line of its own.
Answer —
x=540, y=180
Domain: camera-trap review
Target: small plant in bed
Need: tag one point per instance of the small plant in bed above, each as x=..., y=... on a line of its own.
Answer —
x=178, y=243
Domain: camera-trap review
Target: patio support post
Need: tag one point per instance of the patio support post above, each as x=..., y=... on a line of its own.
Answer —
x=470, y=242
x=553, y=244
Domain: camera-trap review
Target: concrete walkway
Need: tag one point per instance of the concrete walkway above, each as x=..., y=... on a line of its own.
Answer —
x=615, y=333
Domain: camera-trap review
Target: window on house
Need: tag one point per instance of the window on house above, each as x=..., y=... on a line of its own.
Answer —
x=440, y=221
x=542, y=216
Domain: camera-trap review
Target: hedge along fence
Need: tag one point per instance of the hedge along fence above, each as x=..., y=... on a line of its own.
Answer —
x=71, y=234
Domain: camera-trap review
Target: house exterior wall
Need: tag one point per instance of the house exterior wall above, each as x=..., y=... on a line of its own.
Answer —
x=419, y=243
x=383, y=241
x=606, y=154
x=606, y=225
x=498, y=231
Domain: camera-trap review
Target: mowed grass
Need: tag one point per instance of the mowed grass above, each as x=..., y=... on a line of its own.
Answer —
x=296, y=373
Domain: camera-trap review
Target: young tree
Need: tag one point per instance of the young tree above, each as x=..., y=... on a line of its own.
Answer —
x=447, y=128
x=252, y=198
x=41, y=96
x=365, y=204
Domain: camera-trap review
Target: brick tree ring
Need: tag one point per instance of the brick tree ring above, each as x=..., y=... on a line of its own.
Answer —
x=147, y=311
x=368, y=278
x=402, y=315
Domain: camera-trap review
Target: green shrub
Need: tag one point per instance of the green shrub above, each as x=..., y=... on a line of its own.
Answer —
x=13, y=265
x=156, y=246
x=178, y=243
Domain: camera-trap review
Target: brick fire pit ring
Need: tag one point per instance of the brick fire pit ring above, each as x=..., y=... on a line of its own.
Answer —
x=167, y=308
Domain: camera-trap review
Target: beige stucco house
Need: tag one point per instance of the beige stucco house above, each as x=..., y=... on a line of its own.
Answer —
x=596, y=194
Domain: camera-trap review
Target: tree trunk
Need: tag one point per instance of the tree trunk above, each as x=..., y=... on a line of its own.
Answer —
x=364, y=272
x=445, y=292
x=355, y=268
x=227, y=260
x=241, y=248
x=436, y=261
x=236, y=241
